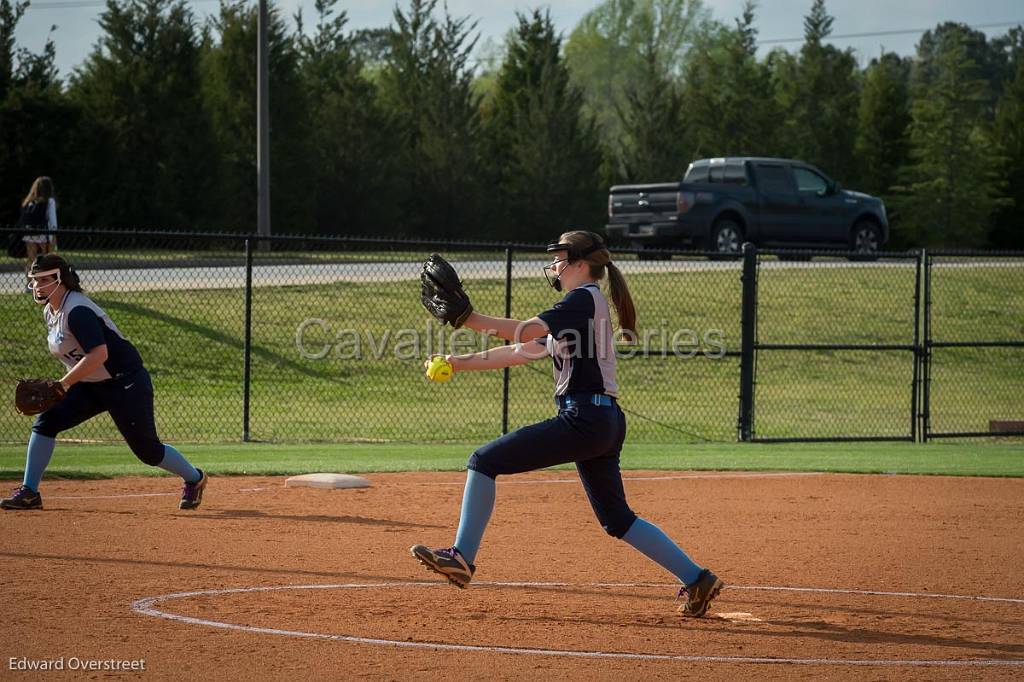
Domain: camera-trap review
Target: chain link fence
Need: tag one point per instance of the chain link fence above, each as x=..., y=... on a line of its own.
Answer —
x=679, y=381
x=835, y=347
x=974, y=350
x=295, y=339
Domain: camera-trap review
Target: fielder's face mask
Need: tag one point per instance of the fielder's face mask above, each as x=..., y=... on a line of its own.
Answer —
x=41, y=291
x=573, y=254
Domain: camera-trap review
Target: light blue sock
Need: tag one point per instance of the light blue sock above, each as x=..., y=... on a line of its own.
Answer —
x=37, y=458
x=477, y=505
x=659, y=548
x=174, y=462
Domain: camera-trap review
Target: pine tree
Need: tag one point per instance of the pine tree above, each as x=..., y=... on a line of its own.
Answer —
x=546, y=153
x=729, y=108
x=427, y=87
x=229, y=94
x=37, y=123
x=656, y=145
x=819, y=99
x=883, y=118
x=951, y=186
x=10, y=14
x=139, y=89
x=349, y=135
x=988, y=58
x=1008, y=232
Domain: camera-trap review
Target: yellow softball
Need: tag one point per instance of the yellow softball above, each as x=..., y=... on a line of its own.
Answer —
x=438, y=369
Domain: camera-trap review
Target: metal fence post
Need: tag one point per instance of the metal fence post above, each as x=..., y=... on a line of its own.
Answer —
x=916, y=381
x=247, y=350
x=926, y=351
x=748, y=341
x=508, y=313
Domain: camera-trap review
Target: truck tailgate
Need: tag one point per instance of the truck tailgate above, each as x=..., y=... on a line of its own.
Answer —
x=626, y=200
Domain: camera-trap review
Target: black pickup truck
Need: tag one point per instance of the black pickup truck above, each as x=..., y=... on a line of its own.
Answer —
x=724, y=202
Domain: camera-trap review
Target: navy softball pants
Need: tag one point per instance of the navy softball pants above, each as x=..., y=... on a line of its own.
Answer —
x=128, y=399
x=589, y=435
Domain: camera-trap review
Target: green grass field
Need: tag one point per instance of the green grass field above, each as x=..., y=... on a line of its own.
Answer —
x=227, y=253
x=953, y=459
x=192, y=343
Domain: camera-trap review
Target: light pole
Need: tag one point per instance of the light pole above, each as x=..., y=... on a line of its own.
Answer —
x=262, y=132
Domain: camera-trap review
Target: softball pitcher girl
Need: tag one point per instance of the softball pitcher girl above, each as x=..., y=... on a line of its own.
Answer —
x=589, y=428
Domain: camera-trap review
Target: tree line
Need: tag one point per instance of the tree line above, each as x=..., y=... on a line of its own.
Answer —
x=406, y=130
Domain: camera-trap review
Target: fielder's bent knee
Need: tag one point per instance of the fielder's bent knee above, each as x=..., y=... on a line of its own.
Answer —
x=44, y=428
x=480, y=465
x=617, y=527
x=149, y=452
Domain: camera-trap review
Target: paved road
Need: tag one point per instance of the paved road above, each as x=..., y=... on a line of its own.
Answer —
x=188, y=278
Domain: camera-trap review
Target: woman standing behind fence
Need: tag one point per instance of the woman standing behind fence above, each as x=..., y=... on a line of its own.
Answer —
x=38, y=209
x=105, y=374
x=589, y=428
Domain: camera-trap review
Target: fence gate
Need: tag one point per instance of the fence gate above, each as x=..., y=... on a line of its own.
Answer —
x=830, y=347
x=973, y=349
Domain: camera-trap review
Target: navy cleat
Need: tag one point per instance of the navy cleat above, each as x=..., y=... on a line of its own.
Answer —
x=449, y=562
x=22, y=497
x=699, y=594
x=192, y=493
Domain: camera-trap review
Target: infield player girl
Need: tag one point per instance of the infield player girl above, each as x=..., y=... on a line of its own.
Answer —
x=588, y=429
x=104, y=374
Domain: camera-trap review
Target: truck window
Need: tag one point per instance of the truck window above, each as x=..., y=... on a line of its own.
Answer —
x=697, y=174
x=717, y=173
x=774, y=179
x=809, y=181
x=735, y=174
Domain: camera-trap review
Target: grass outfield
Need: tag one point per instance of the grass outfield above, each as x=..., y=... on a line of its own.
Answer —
x=951, y=459
x=192, y=342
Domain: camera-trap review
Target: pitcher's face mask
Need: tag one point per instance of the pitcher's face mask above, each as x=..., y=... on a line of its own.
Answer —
x=572, y=254
x=555, y=282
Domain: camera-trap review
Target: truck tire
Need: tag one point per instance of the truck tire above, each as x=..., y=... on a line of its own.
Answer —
x=865, y=238
x=726, y=238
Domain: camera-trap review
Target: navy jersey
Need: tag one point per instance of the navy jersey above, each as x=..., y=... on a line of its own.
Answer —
x=580, y=343
x=78, y=326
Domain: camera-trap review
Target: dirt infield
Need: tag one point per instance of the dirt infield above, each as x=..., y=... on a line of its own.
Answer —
x=88, y=579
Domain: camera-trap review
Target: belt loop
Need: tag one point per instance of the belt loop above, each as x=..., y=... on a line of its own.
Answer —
x=595, y=400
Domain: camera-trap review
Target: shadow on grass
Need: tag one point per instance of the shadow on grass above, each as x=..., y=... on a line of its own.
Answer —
x=213, y=335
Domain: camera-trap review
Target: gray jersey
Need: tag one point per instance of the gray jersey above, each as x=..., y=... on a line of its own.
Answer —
x=581, y=344
x=62, y=341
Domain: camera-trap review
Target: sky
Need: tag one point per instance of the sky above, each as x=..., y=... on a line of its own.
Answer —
x=77, y=28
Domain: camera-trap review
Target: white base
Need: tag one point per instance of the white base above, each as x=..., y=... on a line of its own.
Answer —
x=326, y=481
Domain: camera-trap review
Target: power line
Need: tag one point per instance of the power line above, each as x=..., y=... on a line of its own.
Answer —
x=843, y=36
x=71, y=4
x=74, y=4
x=874, y=34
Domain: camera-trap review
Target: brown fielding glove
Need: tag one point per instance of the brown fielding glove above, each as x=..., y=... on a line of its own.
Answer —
x=33, y=396
x=442, y=293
